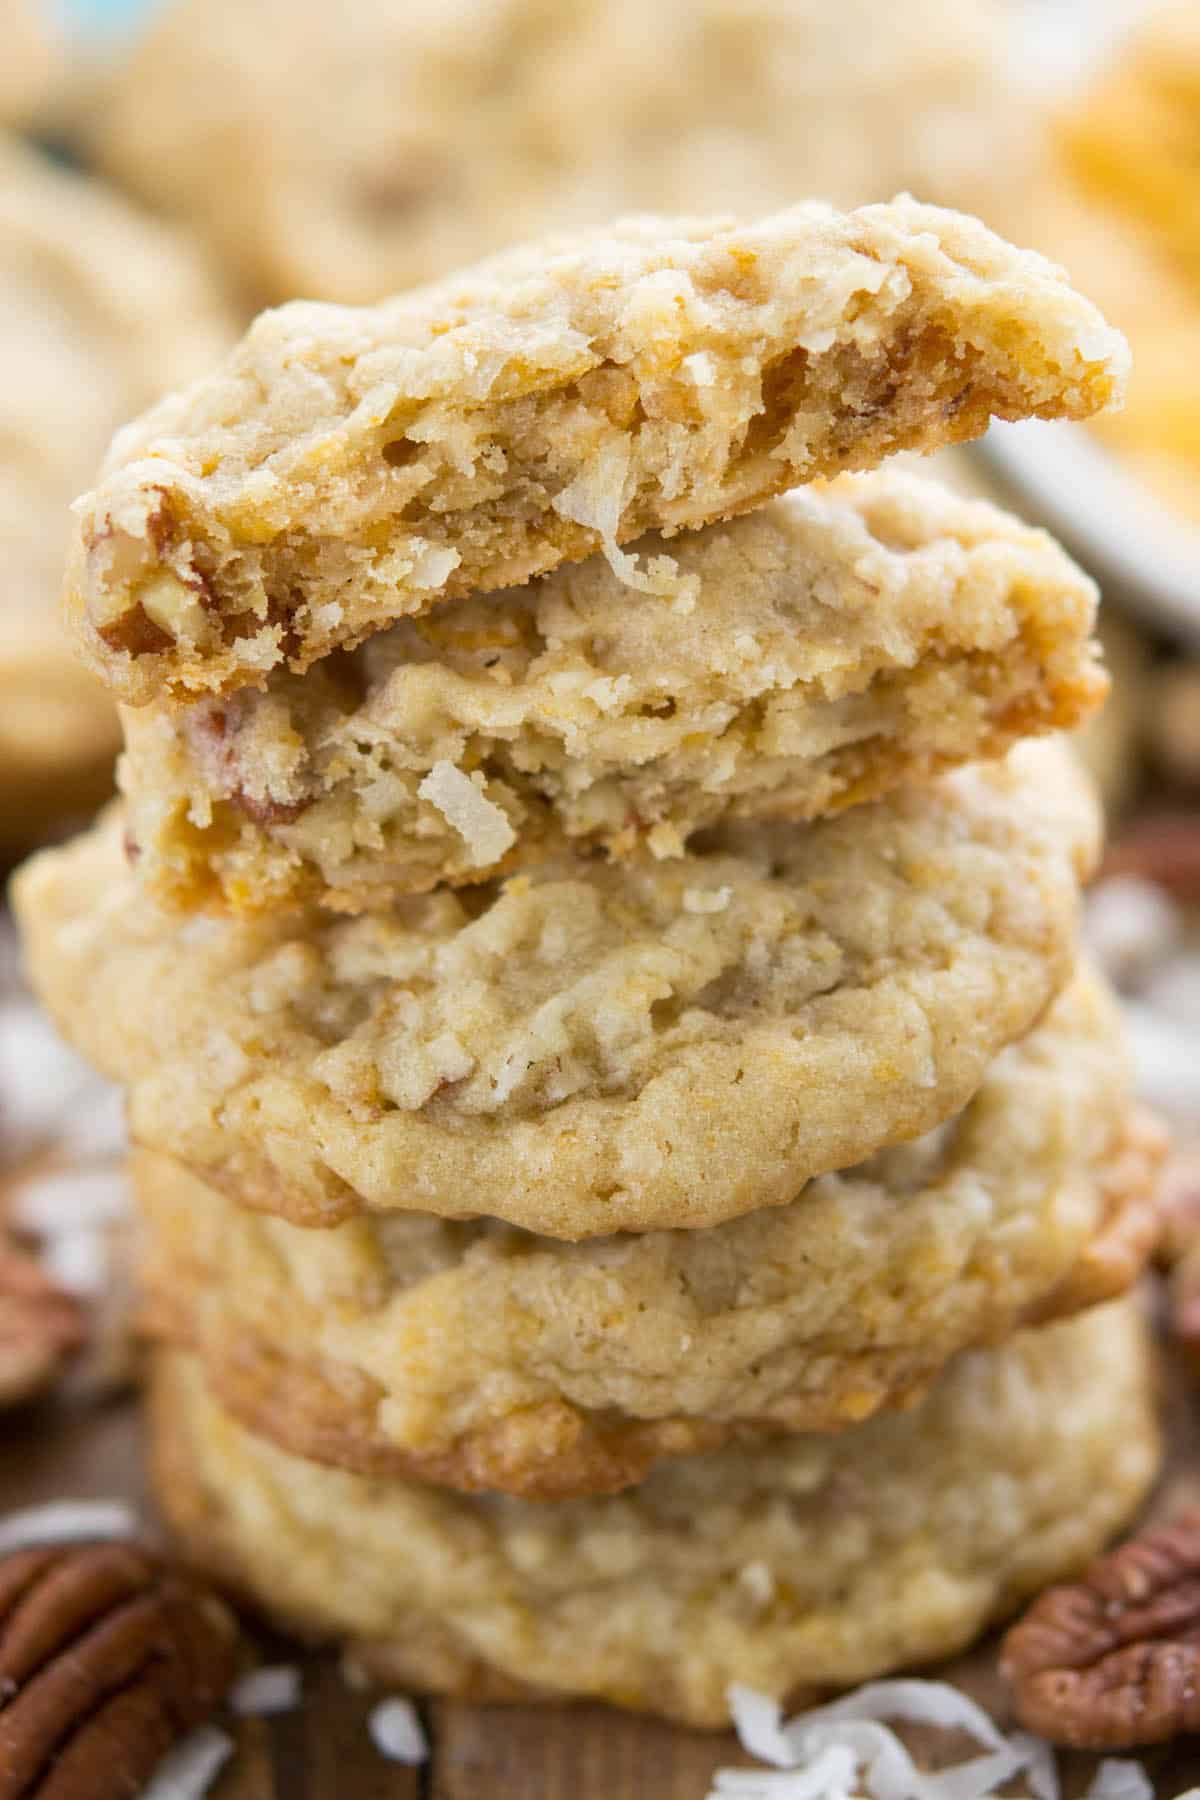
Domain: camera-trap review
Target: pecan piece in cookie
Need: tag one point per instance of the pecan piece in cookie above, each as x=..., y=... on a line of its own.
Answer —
x=1113, y=1661
x=107, y=1656
x=39, y=1326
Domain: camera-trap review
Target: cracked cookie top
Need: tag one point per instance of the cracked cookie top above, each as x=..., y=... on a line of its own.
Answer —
x=351, y=466
x=824, y=649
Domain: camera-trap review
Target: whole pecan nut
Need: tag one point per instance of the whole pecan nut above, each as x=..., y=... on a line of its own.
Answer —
x=39, y=1326
x=1113, y=1661
x=107, y=1656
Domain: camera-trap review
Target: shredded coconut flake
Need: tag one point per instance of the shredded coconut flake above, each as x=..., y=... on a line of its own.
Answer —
x=96, y=1127
x=67, y=1521
x=1117, y=1779
x=43, y=1082
x=70, y=1200
x=706, y=900
x=917, y=1702
x=1041, y=1770
x=977, y=1778
x=467, y=808
x=396, y=1731
x=844, y=1749
x=79, y=1261
x=758, y=1721
x=190, y=1769
x=831, y=1773
x=1129, y=925
x=888, y=1770
x=266, y=1691
x=596, y=500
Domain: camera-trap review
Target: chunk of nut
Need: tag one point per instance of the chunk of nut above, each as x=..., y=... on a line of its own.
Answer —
x=107, y=1656
x=1113, y=1661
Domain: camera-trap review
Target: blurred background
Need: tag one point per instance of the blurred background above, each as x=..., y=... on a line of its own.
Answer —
x=168, y=168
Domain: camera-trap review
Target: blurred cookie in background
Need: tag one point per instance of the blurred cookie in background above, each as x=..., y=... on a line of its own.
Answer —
x=99, y=311
x=33, y=66
x=1113, y=194
x=1130, y=147
x=1135, y=141
x=346, y=152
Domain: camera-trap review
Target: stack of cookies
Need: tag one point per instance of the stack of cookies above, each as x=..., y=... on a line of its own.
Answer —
x=592, y=956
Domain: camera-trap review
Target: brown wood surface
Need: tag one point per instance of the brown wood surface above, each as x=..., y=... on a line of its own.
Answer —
x=322, y=1751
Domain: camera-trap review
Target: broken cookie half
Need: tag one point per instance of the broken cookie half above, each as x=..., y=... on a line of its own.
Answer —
x=350, y=467
x=819, y=652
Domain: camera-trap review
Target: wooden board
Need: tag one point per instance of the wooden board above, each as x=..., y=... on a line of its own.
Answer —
x=323, y=1752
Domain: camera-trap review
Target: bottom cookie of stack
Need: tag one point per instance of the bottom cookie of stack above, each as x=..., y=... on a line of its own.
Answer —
x=797, y=1565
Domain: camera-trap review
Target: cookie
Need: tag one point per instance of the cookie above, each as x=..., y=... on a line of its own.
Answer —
x=396, y=142
x=588, y=1047
x=1130, y=149
x=34, y=69
x=99, y=311
x=828, y=648
x=348, y=467
x=1133, y=142
x=1131, y=273
x=793, y=1566
x=478, y=1356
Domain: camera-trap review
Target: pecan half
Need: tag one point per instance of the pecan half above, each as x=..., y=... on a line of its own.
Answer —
x=1114, y=1660
x=39, y=1326
x=107, y=1656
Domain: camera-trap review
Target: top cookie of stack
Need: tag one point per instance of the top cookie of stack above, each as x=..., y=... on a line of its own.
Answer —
x=351, y=467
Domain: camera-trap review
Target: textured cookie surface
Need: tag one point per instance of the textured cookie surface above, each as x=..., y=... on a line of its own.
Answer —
x=798, y=1565
x=99, y=311
x=482, y=1357
x=399, y=139
x=587, y=1047
x=351, y=466
x=826, y=649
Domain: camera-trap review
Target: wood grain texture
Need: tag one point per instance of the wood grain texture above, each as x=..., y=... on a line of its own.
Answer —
x=569, y=1753
x=323, y=1751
